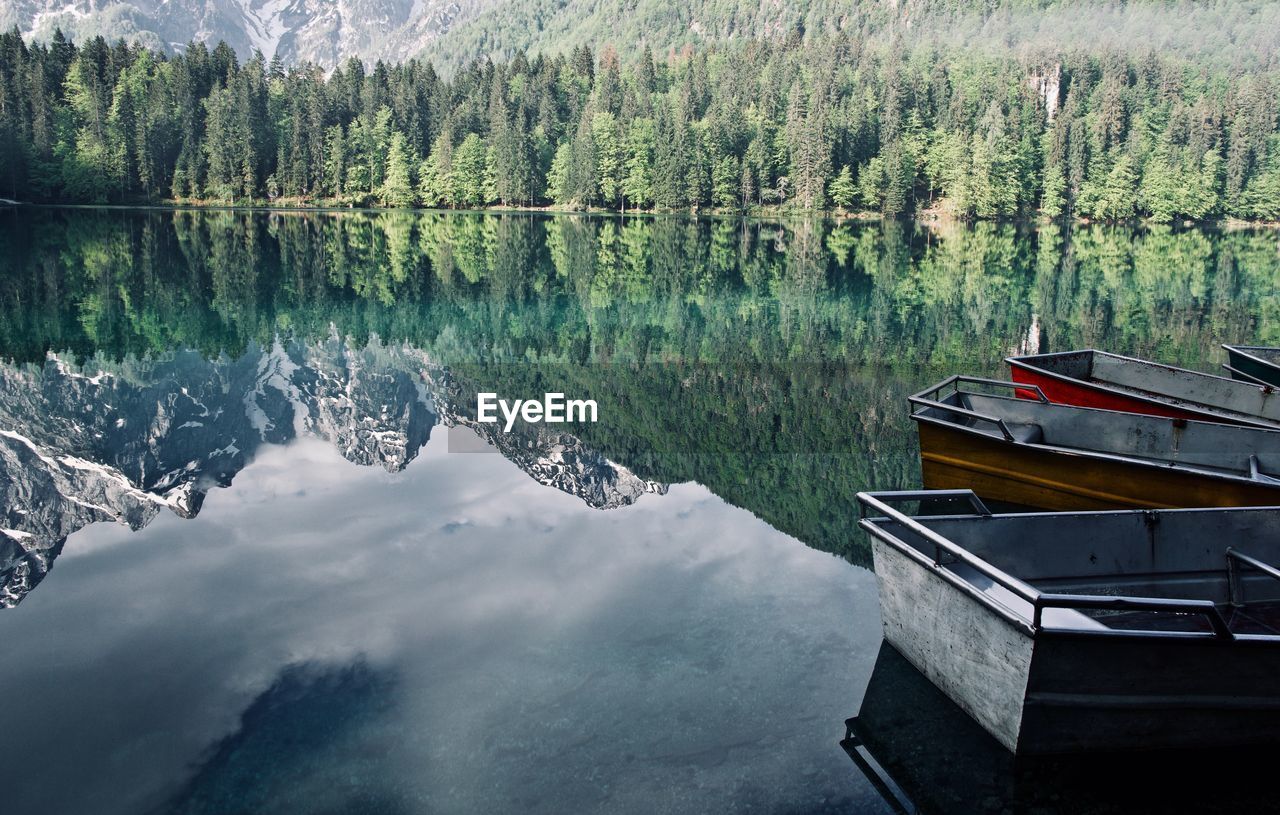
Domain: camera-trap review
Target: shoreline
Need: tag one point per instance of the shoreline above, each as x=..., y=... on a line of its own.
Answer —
x=924, y=217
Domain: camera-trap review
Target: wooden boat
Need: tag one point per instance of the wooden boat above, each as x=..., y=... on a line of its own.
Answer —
x=1065, y=632
x=1038, y=454
x=1100, y=380
x=1254, y=363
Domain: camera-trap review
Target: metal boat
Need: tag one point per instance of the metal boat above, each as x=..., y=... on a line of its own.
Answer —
x=1068, y=632
x=1254, y=363
x=1035, y=453
x=1097, y=379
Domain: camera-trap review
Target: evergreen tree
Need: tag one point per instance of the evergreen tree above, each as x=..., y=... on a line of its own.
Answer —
x=397, y=183
x=842, y=191
x=724, y=183
x=558, y=189
x=435, y=177
x=608, y=158
x=335, y=161
x=637, y=186
x=735, y=125
x=469, y=172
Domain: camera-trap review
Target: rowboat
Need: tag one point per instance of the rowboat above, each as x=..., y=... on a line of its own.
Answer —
x=1100, y=380
x=1254, y=363
x=1039, y=454
x=1068, y=632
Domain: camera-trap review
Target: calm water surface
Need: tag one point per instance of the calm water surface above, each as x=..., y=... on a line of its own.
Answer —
x=258, y=556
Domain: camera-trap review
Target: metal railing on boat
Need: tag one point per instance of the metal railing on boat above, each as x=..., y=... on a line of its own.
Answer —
x=928, y=398
x=1038, y=600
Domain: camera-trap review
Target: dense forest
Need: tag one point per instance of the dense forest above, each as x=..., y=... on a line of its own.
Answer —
x=793, y=123
x=1222, y=32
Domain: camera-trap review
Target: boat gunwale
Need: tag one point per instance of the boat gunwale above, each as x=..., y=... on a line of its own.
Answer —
x=1221, y=415
x=919, y=400
x=875, y=526
x=1243, y=350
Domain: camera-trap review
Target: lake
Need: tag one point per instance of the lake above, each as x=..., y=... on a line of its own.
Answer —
x=258, y=555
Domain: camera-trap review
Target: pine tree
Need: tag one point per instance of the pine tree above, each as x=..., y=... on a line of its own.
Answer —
x=637, y=185
x=608, y=158
x=469, y=172
x=558, y=176
x=724, y=183
x=435, y=177
x=335, y=161
x=583, y=180
x=1116, y=198
x=842, y=191
x=747, y=187
x=1160, y=192
x=397, y=183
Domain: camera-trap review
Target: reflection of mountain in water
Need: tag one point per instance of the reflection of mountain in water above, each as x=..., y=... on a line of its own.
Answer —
x=122, y=441
x=554, y=459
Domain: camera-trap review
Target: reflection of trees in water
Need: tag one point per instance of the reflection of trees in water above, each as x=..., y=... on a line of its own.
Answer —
x=767, y=360
x=889, y=293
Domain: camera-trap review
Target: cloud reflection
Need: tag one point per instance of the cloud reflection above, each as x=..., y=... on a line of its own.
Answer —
x=673, y=655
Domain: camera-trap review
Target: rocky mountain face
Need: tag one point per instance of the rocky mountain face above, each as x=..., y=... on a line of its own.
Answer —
x=325, y=32
x=121, y=442
x=562, y=461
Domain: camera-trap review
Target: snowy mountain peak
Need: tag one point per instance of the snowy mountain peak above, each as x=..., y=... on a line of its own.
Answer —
x=325, y=32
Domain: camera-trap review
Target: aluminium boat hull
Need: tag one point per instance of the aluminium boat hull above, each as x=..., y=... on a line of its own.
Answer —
x=1257, y=364
x=1095, y=379
x=1089, y=631
x=1045, y=694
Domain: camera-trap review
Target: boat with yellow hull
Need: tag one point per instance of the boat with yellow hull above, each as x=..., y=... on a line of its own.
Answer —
x=1059, y=457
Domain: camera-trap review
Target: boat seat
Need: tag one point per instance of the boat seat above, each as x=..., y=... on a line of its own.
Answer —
x=1256, y=473
x=1026, y=433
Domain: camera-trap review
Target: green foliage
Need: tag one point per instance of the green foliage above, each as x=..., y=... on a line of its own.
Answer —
x=608, y=158
x=397, y=184
x=558, y=176
x=637, y=185
x=435, y=176
x=888, y=123
x=842, y=191
x=1237, y=31
x=1115, y=196
x=470, y=181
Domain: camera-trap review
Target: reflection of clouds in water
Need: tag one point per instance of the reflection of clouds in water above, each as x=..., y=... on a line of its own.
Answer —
x=674, y=654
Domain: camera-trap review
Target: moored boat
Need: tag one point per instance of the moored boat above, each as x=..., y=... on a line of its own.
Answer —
x=1059, y=457
x=1254, y=363
x=1067, y=632
x=1097, y=379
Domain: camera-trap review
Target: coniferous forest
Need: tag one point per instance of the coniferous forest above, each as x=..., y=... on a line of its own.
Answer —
x=795, y=123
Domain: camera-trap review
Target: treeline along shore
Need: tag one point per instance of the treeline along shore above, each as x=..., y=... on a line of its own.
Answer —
x=797, y=123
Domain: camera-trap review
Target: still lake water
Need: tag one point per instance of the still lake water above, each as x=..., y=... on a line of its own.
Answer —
x=259, y=557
